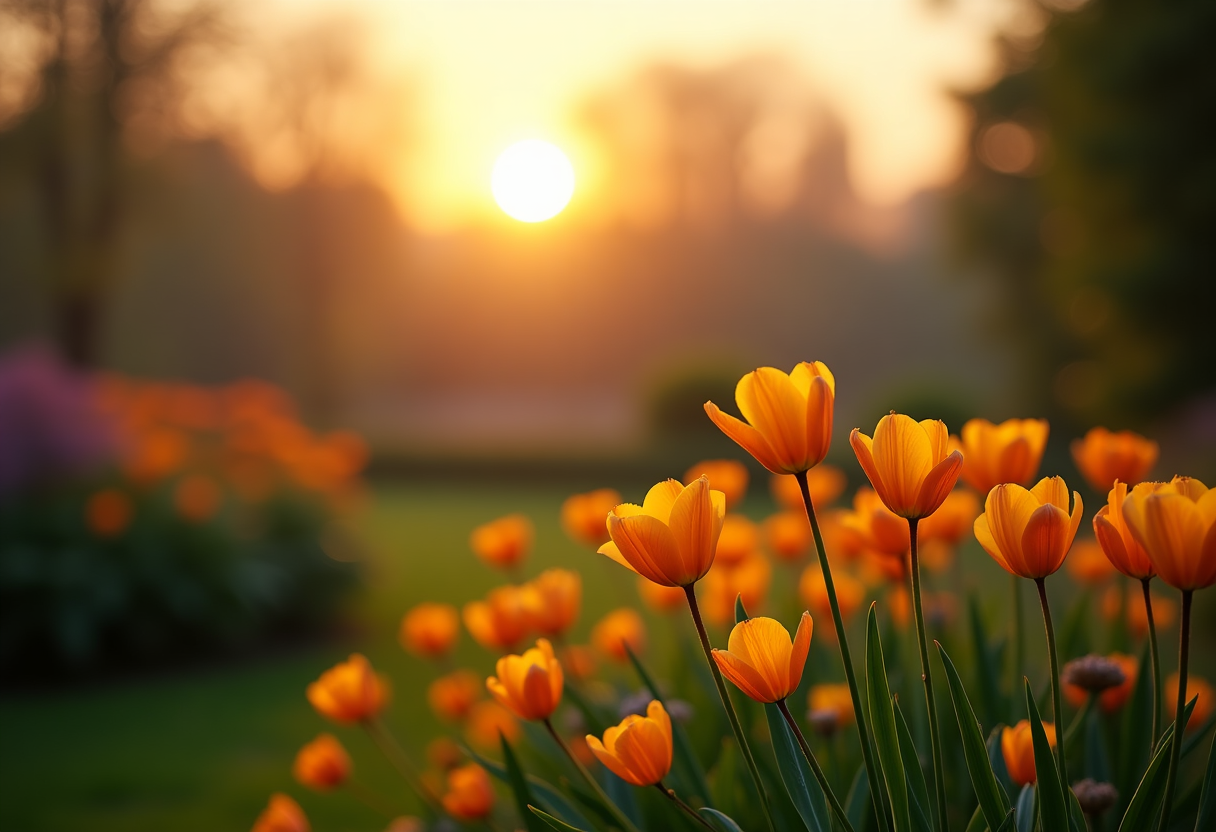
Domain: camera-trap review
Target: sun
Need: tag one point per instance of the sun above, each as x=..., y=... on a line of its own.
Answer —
x=532, y=181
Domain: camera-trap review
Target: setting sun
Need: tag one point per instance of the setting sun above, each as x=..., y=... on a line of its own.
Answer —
x=532, y=181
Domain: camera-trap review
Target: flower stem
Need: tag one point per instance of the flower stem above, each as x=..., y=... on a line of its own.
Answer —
x=671, y=795
x=842, y=639
x=617, y=814
x=1152, y=647
x=724, y=694
x=1184, y=655
x=926, y=675
x=1057, y=706
x=396, y=755
x=815, y=769
x=1018, y=625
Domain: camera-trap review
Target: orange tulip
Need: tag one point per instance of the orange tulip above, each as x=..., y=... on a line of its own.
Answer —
x=880, y=529
x=504, y=542
x=850, y=594
x=1103, y=457
x=671, y=538
x=350, y=691
x=909, y=463
x=825, y=483
x=443, y=753
x=584, y=516
x=1088, y=564
x=1176, y=525
x=952, y=521
x=1017, y=746
x=749, y=579
x=579, y=659
x=530, y=686
x=470, y=795
x=1116, y=539
x=486, y=721
x=1111, y=699
x=762, y=661
x=501, y=621
x=739, y=539
x=1165, y=611
x=322, y=764
x=197, y=498
x=840, y=538
x=553, y=600
x=899, y=605
x=108, y=512
x=833, y=699
x=451, y=696
x=430, y=630
x=282, y=815
x=1195, y=687
x=726, y=475
x=1029, y=532
x=788, y=535
x=616, y=630
x=660, y=598
x=1008, y=452
x=789, y=417
x=639, y=749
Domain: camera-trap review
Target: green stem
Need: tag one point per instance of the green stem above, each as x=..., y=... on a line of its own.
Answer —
x=724, y=694
x=842, y=639
x=815, y=769
x=1152, y=647
x=926, y=675
x=1018, y=625
x=396, y=755
x=1057, y=705
x=671, y=795
x=617, y=814
x=1078, y=722
x=1184, y=655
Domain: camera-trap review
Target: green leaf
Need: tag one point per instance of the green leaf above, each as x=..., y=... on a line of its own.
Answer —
x=857, y=803
x=1053, y=811
x=1134, y=748
x=553, y=822
x=686, y=760
x=722, y=821
x=1076, y=817
x=740, y=611
x=882, y=717
x=595, y=721
x=1024, y=812
x=800, y=783
x=992, y=798
x=1207, y=803
x=977, y=823
x=1142, y=812
x=1007, y=825
x=1072, y=634
x=991, y=700
x=554, y=801
x=726, y=775
x=519, y=787
x=918, y=789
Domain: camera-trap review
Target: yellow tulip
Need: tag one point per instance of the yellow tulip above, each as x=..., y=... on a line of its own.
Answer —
x=762, y=661
x=1008, y=452
x=1029, y=532
x=530, y=686
x=1116, y=539
x=909, y=463
x=322, y=764
x=349, y=691
x=639, y=749
x=1104, y=457
x=1176, y=524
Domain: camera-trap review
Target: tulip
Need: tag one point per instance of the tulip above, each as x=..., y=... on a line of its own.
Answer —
x=726, y=475
x=1203, y=693
x=350, y=691
x=825, y=482
x=1116, y=539
x=830, y=706
x=618, y=630
x=1104, y=457
x=880, y=529
x=787, y=535
x=747, y=580
x=583, y=516
x=671, y=538
x=1029, y=532
x=639, y=749
x=1112, y=698
x=952, y=521
x=909, y=463
x=470, y=795
x=553, y=600
x=430, y=630
x=658, y=597
x=322, y=764
x=1088, y=564
x=1008, y=452
x=282, y=815
x=504, y=542
x=1176, y=524
x=1017, y=747
x=789, y=417
x=530, y=686
x=451, y=696
x=762, y=661
x=739, y=539
x=486, y=721
x=500, y=621
x=108, y=512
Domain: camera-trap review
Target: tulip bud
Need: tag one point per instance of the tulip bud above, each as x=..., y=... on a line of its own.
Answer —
x=638, y=750
x=322, y=764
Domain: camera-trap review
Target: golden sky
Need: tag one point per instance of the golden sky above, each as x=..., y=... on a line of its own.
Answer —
x=488, y=73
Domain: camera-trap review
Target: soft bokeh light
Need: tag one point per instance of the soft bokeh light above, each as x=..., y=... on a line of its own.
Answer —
x=532, y=181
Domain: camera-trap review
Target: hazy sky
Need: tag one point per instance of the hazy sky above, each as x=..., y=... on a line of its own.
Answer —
x=494, y=71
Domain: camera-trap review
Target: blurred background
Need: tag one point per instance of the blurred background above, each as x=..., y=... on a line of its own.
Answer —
x=269, y=348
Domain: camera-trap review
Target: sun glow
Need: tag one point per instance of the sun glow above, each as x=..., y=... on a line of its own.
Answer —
x=532, y=181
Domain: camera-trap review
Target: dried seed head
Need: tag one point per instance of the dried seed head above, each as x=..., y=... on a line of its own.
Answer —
x=1094, y=673
x=1095, y=798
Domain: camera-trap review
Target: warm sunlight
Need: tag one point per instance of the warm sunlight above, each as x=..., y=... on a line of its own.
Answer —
x=532, y=181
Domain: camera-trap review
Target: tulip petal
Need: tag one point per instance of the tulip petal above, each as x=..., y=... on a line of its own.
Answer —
x=939, y=439
x=693, y=530
x=1053, y=491
x=1008, y=509
x=746, y=437
x=820, y=403
x=764, y=645
x=660, y=498
x=983, y=533
x=536, y=692
x=1045, y=541
x=804, y=375
x=607, y=758
x=938, y=484
x=799, y=650
x=647, y=545
x=903, y=452
x=1112, y=544
x=770, y=403
x=744, y=676
x=863, y=448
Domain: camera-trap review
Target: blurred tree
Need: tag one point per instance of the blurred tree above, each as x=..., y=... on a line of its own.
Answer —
x=1091, y=196
x=91, y=67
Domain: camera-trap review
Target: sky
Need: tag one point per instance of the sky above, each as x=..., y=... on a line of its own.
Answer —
x=486, y=74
